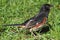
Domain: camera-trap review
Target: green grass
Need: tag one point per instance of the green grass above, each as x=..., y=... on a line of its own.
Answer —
x=17, y=11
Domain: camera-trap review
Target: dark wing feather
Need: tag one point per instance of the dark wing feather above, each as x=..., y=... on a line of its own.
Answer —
x=31, y=23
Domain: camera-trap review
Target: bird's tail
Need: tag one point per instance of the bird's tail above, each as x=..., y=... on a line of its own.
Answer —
x=18, y=25
x=11, y=24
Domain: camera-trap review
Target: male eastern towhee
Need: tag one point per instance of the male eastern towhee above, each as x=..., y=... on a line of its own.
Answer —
x=36, y=22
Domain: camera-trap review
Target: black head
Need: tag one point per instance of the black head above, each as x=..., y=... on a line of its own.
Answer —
x=46, y=6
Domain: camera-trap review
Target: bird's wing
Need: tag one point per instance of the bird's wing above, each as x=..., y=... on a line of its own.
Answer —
x=39, y=25
x=30, y=23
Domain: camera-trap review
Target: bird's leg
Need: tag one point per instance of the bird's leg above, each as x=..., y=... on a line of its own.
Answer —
x=31, y=30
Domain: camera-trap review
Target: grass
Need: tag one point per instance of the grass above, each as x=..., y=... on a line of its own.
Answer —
x=17, y=11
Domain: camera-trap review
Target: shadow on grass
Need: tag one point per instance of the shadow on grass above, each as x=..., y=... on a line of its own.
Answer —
x=45, y=29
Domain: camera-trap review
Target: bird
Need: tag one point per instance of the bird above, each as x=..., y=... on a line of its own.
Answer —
x=36, y=22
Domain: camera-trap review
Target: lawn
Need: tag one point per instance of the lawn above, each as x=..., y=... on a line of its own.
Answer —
x=18, y=11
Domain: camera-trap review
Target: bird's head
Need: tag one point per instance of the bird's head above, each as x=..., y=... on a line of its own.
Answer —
x=46, y=6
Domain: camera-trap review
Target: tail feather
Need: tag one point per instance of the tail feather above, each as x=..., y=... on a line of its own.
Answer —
x=12, y=25
x=18, y=25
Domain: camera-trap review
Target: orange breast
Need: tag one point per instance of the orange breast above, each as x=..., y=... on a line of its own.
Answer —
x=41, y=23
